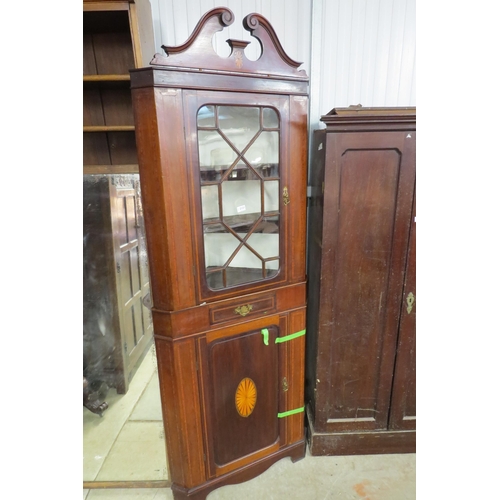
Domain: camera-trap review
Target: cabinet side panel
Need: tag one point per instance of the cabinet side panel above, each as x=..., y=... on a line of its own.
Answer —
x=153, y=194
x=297, y=186
x=181, y=411
x=160, y=141
x=175, y=178
x=314, y=258
x=294, y=384
x=403, y=404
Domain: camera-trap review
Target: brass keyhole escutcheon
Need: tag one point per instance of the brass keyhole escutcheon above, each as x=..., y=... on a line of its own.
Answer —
x=286, y=196
x=410, y=300
x=243, y=310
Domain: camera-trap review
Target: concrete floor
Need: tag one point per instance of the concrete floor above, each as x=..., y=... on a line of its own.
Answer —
x=127, y=443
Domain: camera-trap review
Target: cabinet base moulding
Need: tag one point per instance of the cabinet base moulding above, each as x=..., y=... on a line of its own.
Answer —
x=358, y=443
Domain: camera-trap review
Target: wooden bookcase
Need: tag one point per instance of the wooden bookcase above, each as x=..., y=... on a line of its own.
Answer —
x=117, y=37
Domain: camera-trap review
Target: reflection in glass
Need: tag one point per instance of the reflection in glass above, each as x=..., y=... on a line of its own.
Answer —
x=121, y=396
x=239, y=174
x=271, y=196
x=270, y=118
x=210, y=202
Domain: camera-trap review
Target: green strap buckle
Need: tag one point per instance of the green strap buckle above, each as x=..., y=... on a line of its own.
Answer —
x=290, y=412
x=265, y=335
x=279, y=340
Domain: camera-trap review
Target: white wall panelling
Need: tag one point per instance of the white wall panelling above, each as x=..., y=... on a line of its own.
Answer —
x=174, y=20
x=355, y=51
x=363, y=52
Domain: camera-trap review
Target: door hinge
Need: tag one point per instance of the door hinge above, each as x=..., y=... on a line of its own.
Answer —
x=125, y=346
x=118, y=267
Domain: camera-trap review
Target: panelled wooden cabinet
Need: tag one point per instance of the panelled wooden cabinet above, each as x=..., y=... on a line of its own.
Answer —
x=360, y=383
x=117, y=326
x=222, y=148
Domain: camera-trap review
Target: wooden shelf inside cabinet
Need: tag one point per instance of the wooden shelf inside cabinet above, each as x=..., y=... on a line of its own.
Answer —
x=105, y=78
x=110, y=169
x=109, y=128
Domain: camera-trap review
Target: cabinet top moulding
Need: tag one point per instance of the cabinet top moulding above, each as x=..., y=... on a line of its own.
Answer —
x=91, y=5
x=198, y=55
x=358, y=119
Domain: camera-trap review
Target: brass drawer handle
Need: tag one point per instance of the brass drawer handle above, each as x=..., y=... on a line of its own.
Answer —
x=243, y=310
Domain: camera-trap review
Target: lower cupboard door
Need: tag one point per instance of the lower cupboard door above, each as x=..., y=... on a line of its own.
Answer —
x=241, y=394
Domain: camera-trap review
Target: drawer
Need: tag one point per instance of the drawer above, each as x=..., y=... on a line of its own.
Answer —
x=238, y=309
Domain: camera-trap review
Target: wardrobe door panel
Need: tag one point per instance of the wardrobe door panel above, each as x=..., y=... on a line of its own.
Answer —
x=403, y=405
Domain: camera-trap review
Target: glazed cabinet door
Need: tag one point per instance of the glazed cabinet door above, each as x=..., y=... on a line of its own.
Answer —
x=238, y=150
x=369, y=183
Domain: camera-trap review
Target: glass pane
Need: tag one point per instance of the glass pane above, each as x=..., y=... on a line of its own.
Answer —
x=219, y=247
x=206, y=116
x=270, y=118
x=266, y=245
x=210, y=202
x=271, y=196
x=263, y=154
x=215, y=154
x=245, y=267
x=272, y=268
x=241, y=155
x=215, y=280
x=268, y=225
x=239, y=124
x=242, y=224
x=241, y=197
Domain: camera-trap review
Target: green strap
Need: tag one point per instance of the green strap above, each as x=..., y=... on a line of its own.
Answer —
x=290, y=412
x=265, y=335
x=289, y=337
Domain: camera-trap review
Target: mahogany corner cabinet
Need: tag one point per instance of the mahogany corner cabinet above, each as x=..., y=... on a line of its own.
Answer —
x=222, y=148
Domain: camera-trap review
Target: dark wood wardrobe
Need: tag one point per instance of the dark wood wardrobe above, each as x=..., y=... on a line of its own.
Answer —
x=360, y=368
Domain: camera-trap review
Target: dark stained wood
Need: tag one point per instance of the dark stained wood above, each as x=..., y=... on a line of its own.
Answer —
x=403, y=404
x=229, y=361
x=117, y=106
x=122, y=148
x=363, y=182
x=359, y=443
x=117, y=327
x=209, y=444
x=95, y=149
